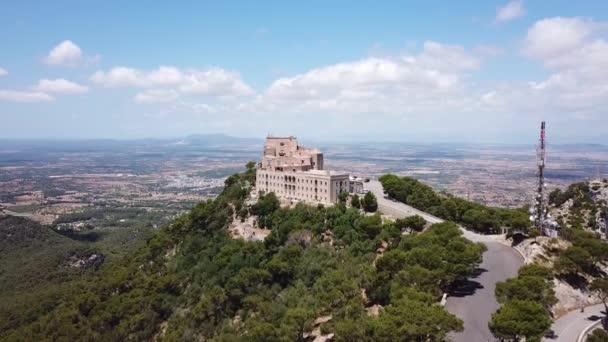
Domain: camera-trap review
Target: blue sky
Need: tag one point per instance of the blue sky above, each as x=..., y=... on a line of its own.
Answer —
x=475, y=71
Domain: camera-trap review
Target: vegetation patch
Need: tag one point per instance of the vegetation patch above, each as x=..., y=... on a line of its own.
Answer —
x=475, y=216
x=192, y=281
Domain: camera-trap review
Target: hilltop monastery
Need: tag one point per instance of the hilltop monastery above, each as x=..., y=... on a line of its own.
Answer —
x=295, y=172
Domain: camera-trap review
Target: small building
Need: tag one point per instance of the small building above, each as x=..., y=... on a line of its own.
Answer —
x=295, y=172
x=355, y=185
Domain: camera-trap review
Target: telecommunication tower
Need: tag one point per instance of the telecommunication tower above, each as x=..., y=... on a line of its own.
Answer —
x=539, y=212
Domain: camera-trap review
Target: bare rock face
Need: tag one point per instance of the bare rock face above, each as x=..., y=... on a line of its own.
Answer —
x=94, y=260
x=300, y=237
x=570, y=298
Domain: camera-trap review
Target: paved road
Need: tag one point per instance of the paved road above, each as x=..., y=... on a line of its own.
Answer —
x=475, y=302
x=395, y=208
x=568, y=327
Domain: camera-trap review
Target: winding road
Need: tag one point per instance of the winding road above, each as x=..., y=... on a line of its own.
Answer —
x=568, y=327
x=473, y=300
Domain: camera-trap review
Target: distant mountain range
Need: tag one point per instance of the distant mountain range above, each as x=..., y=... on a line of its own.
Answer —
x=220, y=139
x=66, y=145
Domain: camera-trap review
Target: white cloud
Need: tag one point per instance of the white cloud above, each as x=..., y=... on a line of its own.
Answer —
x=513, y=9
x=211, y=82
x=488, y=98
x=3, y=72
x=41, y=92
x=438, y=68
x=156, y=96
x=65, y=53
x=24, y=96
x=417, y=90
x=215, y=82
x=552, y=37
x=60, y=86
x=570, y=48
x=435, y=86
x=129, y=77
x=576, y=56
x=117, y=77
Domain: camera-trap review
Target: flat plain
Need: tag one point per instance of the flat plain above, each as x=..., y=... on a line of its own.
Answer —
x=113, y=183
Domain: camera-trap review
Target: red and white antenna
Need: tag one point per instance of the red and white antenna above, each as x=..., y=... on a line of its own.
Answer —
x=540, y=210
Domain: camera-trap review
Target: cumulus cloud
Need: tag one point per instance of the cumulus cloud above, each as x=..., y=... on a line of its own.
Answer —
x=512, y=10
x=215, y=82
x=67, y=53
x=439, y=68
x=3, y=72
x=570, y=47
x=24, y=96
x=156, y=96
x=129, y=77
x=211, y=82
x=432, y=85
x=436, y=85
x=64, y=53
x=42, y=91
x=552, y=37
x=576, y=56
x=60, y=86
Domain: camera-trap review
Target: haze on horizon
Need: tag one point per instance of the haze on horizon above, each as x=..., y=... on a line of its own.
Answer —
x=426, y=71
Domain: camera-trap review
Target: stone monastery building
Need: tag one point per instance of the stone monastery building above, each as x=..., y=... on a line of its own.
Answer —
x=296, y=172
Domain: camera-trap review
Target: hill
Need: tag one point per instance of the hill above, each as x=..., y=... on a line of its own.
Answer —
x=317, y=273
x=580, y=255
x=38, y=265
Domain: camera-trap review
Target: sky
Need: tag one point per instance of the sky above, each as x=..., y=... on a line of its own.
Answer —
x=411, y=71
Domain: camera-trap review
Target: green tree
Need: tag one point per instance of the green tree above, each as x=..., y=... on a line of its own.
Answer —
x=300, y=320
x=534, y=270
x=352, y=330
x=370, y=225
x=343, y=197
x=526, y=288
x=265, y=206
x=574, y=260
x=520, y=318
x=410, y=320
x=413, y=223
x=391, y=262
x=598, y=335
x=211, y=306
x=600, y=286
x=260, y=331
x=355, y=202
x=414, y=277
x=369, y=202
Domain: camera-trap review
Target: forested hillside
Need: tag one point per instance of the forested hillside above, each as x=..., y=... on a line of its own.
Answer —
x=38, y=265
x=319, y=267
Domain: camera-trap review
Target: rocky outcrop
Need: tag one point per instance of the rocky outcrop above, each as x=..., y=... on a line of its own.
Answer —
x=94, y=260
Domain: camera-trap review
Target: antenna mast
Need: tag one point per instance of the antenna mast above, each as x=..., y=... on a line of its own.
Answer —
x=540, y=210
x=541, y=207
